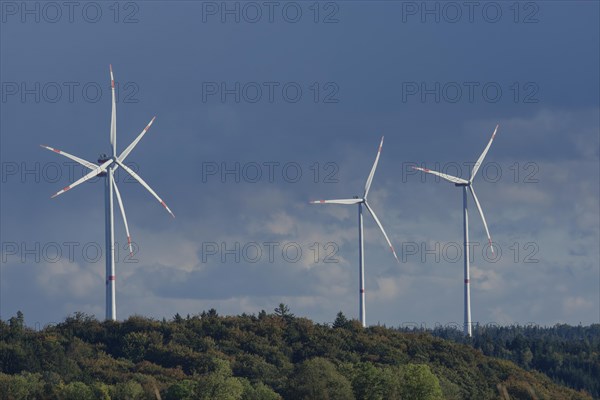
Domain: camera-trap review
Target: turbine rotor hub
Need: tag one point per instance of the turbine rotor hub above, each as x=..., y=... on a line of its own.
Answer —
x=101, y=160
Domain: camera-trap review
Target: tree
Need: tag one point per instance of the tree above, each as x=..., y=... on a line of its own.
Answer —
x=218, y=387
x=219, y=383
x=77, y=391
x=20, y=387
x=17, y=323
x=260, y=391
x=130, y=390
x=341, y=321
x=283, y=311
x=419, y=383
x=101, y=391
x=372, y=383
x=182, y=390
x=318, y=379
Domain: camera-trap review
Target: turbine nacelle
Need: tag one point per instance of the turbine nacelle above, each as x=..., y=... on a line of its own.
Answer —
x=102, y=158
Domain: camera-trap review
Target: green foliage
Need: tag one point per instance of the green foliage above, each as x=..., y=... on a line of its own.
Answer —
x=218, y=387
x=20, y=387
x=419, y=383
x=341, y=321
x=101, y=391
x=375, y=383
x=318, y=379
x=77, y=391
x=278, y=355
x=130, y=390
x=260, y=391
x=182, y=390
x=283, y=311
x=569, y=355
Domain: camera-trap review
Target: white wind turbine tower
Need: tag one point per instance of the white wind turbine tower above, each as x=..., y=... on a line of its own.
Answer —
x=361, y=256
x=108, y=165
x=468, y=185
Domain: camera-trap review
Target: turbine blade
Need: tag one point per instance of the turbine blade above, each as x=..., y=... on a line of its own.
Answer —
x=90, y=175
x=144, y=184
x=81, y=161
x=482, y=156
x=126, y=152
x=370, y=178
x=447, y=177
x=120, y=201
x=382, y=230
x=482, y=217
x=113, y=116
x=337, y=201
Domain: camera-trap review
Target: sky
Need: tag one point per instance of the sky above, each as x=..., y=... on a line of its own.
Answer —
x=264, y=106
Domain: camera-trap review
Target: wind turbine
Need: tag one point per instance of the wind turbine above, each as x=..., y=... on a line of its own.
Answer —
x=108, y=165
x=468, y=186
x=361, y=256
